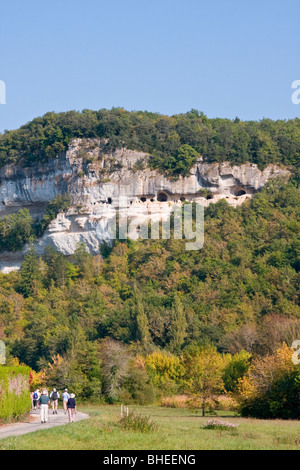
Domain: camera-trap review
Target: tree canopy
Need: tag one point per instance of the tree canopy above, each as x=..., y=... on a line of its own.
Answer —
x=173, y=142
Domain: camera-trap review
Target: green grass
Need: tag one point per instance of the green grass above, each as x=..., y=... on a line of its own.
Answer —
x=177, y=429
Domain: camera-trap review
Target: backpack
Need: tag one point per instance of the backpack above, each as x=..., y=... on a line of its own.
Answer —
x=54, y=396
x=35, y=396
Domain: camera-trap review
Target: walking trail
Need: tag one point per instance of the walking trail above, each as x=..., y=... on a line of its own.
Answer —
x=34, y=423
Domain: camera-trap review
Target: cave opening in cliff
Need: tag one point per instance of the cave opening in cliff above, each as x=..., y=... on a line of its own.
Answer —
x=239, y=192
x=109, y=200
x=143, y=199
x=182, y=199
x=162, y=197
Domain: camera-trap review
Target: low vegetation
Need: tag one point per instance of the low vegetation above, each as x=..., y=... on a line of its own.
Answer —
x=137, y=422
x=177, y=429
x=14, y=392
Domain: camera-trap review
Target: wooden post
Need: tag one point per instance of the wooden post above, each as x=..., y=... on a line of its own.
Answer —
x=121, y=411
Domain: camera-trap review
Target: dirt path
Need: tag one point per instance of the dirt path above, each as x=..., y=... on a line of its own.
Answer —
x=34, y=423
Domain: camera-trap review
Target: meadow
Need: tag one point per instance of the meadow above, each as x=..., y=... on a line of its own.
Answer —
x=177, y=429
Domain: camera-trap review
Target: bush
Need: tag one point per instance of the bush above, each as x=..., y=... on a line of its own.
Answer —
x=14, y=391
x=219, y=425
x=137, y=422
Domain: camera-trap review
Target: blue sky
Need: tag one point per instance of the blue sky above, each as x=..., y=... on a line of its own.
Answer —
x=226, y=58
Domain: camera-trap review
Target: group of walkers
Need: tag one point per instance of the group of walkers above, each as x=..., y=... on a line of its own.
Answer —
x=41, y=400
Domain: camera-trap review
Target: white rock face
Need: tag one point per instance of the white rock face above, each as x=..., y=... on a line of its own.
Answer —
x=102, y=184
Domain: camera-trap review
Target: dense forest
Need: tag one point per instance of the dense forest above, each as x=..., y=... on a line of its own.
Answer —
x=158, y=304
x=147, y=318
x=173, y=142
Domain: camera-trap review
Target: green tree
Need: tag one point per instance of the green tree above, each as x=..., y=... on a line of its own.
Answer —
x=15, y=230
x=142, y=326
x=115, y=367
x=30, y=273
x=178, y=326
x=204, y=373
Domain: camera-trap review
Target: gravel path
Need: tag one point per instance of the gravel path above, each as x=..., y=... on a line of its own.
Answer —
x=34, y=423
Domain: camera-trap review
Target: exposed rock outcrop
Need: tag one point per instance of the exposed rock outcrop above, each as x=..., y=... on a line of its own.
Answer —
x=101, y=184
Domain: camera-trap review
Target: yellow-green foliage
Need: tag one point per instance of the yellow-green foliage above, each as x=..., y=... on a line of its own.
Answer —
x=14, y=391
x=164, y=368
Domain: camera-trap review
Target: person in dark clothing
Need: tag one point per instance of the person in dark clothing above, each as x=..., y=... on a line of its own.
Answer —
x=71, y=407
x=35, y=399
x=54, y=396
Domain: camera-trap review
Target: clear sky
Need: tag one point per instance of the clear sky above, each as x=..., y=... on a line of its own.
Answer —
x=226, y=58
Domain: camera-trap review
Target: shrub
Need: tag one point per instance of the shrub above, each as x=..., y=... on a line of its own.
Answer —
x=14, y=391
x=137, y=422
x=219, y=425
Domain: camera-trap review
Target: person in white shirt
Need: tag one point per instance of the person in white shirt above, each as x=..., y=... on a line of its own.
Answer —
x=44, y=400
x=65, y=397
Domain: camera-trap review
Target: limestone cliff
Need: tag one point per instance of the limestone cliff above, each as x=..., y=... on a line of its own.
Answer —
x=101, y=184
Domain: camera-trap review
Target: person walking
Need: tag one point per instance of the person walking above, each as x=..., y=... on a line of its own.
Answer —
x=38, y=399
x=44, y=401
x=35, y=399
x=71, y=407
x=65, y=397
x=54, y=396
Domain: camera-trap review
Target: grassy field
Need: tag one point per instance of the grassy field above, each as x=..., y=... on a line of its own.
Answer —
x=177, y=429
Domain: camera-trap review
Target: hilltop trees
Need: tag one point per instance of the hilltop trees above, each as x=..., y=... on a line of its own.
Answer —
x=173, y=142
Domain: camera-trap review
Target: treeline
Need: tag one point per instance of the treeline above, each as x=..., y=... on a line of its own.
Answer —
x=239, y=293
x=173, y=142
x=20, y=228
